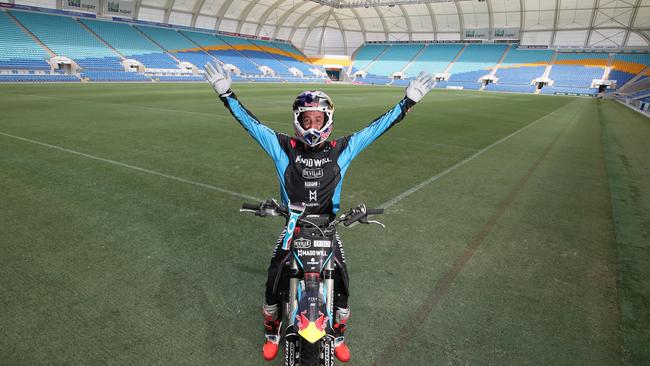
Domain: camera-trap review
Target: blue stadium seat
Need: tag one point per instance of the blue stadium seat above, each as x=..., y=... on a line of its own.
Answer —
x=66, y=37
x=18, y=50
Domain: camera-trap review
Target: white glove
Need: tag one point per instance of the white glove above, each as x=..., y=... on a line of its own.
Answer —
x=420, y=86
x=219, y=78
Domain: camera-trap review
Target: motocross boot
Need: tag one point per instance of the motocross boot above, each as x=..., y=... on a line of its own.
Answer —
x=341, y=350
x=271, y=331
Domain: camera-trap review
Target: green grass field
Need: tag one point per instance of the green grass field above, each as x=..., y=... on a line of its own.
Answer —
x=518, y=227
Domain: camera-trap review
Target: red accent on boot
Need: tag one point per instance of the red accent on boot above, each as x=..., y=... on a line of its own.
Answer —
x=342, y=352
x=270, y=350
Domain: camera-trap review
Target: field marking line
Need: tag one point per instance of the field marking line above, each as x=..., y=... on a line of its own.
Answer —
x=396, y=346
x=459, y=164
x=133, y=167
x=269, y=122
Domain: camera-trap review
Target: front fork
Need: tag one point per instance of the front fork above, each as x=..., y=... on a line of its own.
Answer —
x=292, y=340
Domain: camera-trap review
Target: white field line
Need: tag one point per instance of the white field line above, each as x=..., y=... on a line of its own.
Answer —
x=268, y=122
x=133, y=167
x=434, y=178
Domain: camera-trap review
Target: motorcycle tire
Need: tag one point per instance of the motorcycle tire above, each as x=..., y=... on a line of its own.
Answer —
x=310, y=353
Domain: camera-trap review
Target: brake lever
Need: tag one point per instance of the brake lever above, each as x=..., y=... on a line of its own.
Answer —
x=376, y=222
x=367, y=222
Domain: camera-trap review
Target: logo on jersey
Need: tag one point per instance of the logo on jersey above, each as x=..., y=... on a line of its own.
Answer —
x=309, y=162
x=312, y=184
x=312, y=173
x=313, y=196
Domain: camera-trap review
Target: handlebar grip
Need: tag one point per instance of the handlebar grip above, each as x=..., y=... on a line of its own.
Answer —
x=354, y=218
x=375, y=211
x=251, y=206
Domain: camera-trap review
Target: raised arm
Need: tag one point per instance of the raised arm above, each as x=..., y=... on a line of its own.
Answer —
x=416, y=89
x=220, y=80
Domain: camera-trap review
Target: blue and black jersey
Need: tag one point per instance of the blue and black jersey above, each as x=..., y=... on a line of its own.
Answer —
x=313, y=175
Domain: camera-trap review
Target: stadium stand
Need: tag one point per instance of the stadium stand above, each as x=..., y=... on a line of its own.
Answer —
x=178, y=45
x=294, y=58
x=577, y=70
x=627, y=65
x=132, y=44
x=476, y=61
x=102, y=75
x=266, y=54
x=18, y=50
x=569, y=90
x=222, y=51
x=471, y=85
x=66, y=37
x=395, y=59
x=435, y=58
x=520, y=67
x=365, y=55
x=15, y=76
x=513, y=88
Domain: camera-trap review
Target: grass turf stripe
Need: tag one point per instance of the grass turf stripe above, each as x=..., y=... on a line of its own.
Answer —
x=434, y=178
x=395, y=347
x=133, y=167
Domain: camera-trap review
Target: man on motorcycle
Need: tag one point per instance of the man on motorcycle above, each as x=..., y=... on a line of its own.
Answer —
x=311, y=171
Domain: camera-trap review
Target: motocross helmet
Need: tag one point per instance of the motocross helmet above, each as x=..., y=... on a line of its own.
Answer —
x=313, y=100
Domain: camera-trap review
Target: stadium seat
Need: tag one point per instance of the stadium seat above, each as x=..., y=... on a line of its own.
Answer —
x=66, y=37
x=18, y=50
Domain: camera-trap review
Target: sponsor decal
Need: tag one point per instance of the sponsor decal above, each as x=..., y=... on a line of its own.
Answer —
x=311, y=252
x=312, y=173
x=310, y=163
x=86, y=5
x=312, y=184
x=322, y=244
x=302, y=243
x=291, y=354
x=313, y=196
x=121, y=8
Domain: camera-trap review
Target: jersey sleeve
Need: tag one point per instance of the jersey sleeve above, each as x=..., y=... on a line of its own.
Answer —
x=266, y=137
x=361, y=139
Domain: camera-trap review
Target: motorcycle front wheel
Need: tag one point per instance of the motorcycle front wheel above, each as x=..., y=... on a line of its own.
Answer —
x=309, y=353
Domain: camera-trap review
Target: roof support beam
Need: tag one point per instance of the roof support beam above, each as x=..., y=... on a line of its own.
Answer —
x=286, y=15
x=311, y=26
x=322, y=34
x=591, y=22
x=265, y=16
x=221, y=13
x=522, y=15
x=491, y=20
x=635, y=11
x=361, y=24
x=136, y=10
x=168, y=10
x=383, y=22
x=296, y=24
x=244, y=14
x=195, y=11
x=434, y=22
x=461, y=20
x=409, y=28
x=555, y=21
x=345, y=41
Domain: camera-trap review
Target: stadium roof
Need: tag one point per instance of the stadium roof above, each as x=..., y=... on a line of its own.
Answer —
x=341, y=26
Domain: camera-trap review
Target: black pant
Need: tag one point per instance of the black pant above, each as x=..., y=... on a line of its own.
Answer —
x=274, y=279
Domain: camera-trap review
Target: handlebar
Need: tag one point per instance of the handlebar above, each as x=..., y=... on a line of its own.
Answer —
x=273, y=208
x=250, y=206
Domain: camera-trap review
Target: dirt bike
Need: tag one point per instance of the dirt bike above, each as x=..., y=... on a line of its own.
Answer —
x=306, y=284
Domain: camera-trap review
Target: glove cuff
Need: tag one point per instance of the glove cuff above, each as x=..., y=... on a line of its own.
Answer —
x=226, y=94
x=408, y=102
